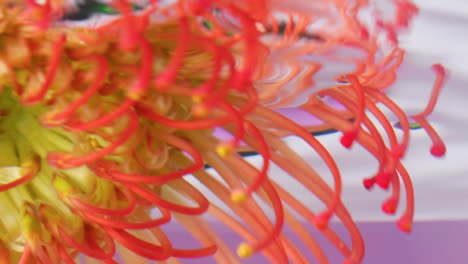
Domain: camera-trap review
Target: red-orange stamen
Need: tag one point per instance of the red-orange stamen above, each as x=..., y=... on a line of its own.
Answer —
x=392, y=202
x=122, y=224
x=279, y=216
x=163, y=178
x=438, y=147
x=314, y=143
x=264, y=152
x=194, y=253
x=97, y=253
x=404, y=223
x=136, y=91
x=32, y=167
x=57, y=50
x=202, y=202
x=129, y=37
x=64, y=255
x=401, y=118
x=103, y=120
x=102, y=70
x=439, y=83
x=165, y=78
x=140, y=247
x=26, y=255
x=131, y=204
x=350, y=136
x=44, y=10
x=63, y=161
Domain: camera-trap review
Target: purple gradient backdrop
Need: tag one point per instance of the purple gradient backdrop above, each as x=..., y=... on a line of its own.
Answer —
x=444, y=242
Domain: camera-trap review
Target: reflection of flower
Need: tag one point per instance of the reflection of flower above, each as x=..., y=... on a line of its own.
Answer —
x=100, y=126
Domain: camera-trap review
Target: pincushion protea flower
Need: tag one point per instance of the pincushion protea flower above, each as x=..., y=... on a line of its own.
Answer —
x=100, y=126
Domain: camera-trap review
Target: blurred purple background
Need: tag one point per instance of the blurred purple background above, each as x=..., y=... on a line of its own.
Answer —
x=444, y=242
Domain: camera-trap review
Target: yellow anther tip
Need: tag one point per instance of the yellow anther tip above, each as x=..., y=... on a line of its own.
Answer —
x=134, y=95
x=224, y=150
x=244, y=250
x=197, y=99
x=94, y=143
x=62, y=186
x=238, y=197
x=199, y=111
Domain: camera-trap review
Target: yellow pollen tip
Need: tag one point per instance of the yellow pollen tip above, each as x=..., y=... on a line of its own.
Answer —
x=244, y=250
x=134, y=95
x=197, y=99
x=199, y=111
x=224, y=150
x=238, y=197
x=94, y=143
x=62, y=186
